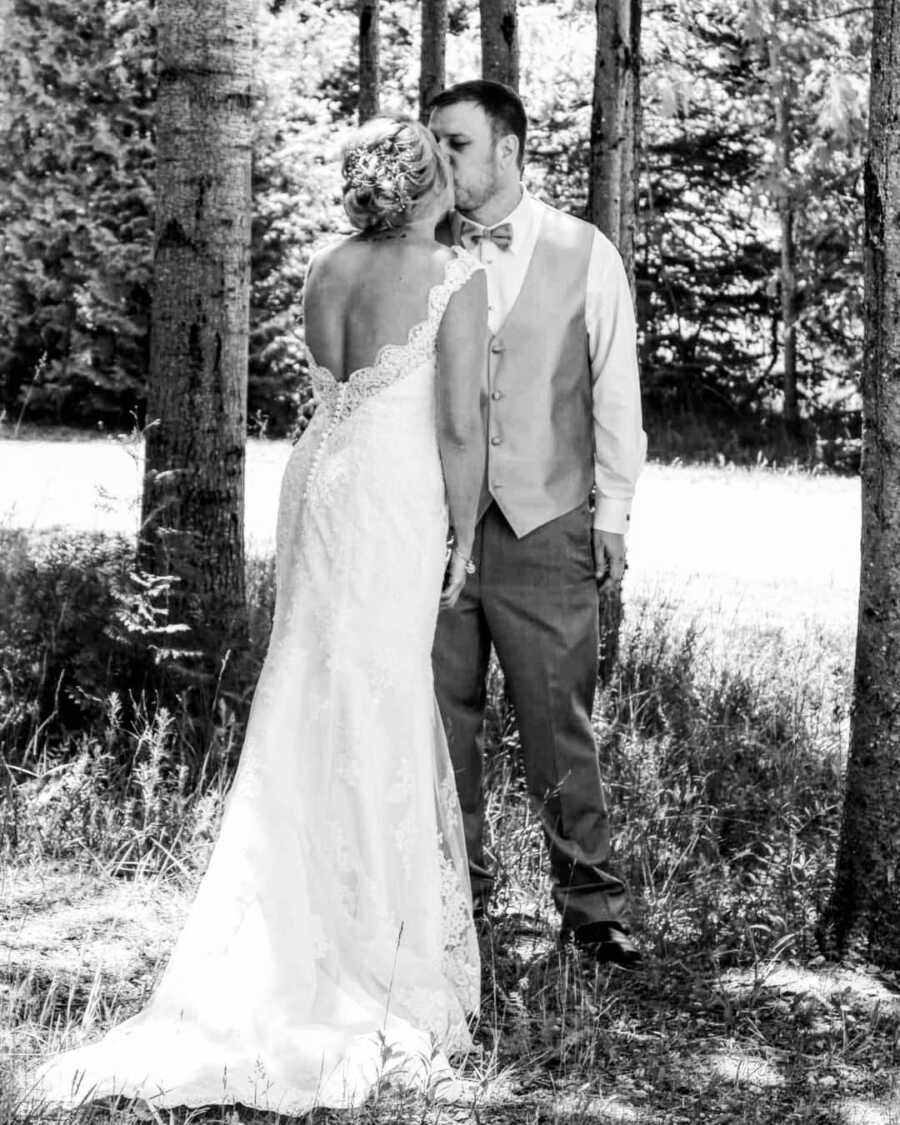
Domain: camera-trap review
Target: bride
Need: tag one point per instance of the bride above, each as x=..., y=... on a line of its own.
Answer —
x=330, y=946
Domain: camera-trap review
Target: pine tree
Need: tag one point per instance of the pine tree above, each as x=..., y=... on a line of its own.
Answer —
x=434, y=49
x=500, y=42
x=612, y=198
x=193, y=501
x=615, y=125
x=863, y=917
x=369, y=51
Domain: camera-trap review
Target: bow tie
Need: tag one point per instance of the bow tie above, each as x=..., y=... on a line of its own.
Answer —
x=470, y=234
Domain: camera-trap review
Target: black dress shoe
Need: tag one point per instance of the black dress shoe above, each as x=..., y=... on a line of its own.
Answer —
x=604, y=942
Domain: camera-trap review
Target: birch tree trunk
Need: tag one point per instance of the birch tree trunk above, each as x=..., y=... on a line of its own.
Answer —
x=612, y=191
x=193, y=496
x=864, y=913
x=500, y=42
x=369, y=52
x=432, y=71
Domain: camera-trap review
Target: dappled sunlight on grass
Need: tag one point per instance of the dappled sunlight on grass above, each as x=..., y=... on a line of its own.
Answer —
x=742, y=1068
x=721, y=738
x=861, y=1111
x=822, y=984
x=68, y=923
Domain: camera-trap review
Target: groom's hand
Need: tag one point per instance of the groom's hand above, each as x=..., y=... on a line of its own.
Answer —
x=609, y=558
x=454, y=580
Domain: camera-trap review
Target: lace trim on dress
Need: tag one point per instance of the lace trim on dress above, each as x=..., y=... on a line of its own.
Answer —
x=340, y=397
x=392, y=360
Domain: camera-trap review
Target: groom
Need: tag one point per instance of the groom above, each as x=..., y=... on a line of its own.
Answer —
x=565, y=445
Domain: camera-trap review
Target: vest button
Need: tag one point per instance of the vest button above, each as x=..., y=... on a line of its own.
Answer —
x=495, y=441
x=496, y=395
x=497, y=347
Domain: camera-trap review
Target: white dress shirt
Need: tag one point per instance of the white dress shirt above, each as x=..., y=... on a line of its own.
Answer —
x=619, y=441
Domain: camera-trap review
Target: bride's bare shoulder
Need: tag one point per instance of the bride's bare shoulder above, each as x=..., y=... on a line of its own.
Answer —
x=334, y=265
x=331, y=254
x=345, y=261
x=439, y=257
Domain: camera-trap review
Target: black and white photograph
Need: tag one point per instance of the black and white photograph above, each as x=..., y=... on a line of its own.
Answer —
x=449, y=562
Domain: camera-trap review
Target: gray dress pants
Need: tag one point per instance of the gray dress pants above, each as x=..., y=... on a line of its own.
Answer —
x=535, y=599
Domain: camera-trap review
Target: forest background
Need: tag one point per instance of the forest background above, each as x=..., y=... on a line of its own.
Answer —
x=751, y=150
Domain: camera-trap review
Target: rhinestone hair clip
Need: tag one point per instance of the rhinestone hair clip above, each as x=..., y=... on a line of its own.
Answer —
x=380, y=168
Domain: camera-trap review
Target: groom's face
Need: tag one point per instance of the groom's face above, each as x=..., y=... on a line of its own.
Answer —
x=465, y=135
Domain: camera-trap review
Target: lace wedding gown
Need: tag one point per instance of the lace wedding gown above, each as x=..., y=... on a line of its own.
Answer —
x=330, y=943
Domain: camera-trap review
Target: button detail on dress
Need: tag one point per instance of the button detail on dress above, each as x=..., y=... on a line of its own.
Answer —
x=497, y=347
x=495, y=395
x=495, y=441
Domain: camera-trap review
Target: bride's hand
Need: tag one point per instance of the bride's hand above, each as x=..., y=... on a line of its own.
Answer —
x=454, y=579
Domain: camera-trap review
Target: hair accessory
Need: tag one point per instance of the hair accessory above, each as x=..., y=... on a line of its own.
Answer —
x=380, y=168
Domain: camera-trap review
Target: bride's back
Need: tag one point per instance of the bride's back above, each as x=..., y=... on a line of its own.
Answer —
x=365, y=293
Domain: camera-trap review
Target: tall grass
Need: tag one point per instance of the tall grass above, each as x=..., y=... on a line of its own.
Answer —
x=723, y=764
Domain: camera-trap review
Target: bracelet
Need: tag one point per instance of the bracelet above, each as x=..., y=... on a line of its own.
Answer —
x=469, y=565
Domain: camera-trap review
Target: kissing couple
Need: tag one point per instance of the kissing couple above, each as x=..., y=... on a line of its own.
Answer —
x=472, y=352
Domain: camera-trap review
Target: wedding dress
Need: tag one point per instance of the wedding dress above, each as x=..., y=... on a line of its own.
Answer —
x=330, y=945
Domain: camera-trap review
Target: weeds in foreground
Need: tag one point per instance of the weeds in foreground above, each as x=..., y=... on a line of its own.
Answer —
x=724, y=776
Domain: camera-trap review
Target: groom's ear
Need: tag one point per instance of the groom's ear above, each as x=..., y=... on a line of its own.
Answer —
x=508, y=149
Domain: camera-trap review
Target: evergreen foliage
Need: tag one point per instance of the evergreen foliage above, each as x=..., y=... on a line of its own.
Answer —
x=76, y=195
x=711, y=274
x=76, y=209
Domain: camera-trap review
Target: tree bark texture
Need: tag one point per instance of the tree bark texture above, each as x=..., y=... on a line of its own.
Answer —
x=369, y=52
x=864, y=913
x=432, y=71
x=781, y=98
x=500, y=42
x=790, y=407
x=612, y=192
x=615, y=125
x=193, y=499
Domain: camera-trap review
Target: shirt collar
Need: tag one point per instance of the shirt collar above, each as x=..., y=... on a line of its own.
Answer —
x=521, y=219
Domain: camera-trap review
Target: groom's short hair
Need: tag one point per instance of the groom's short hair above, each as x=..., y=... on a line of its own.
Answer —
x=501, y=104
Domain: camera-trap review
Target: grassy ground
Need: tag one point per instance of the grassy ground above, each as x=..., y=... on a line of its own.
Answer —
x=721, y=737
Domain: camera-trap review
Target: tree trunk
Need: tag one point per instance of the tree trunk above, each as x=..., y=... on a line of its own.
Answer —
x=500, y=42
x=615, y=125
x=612, y=192
x=432, y=71
x=781, y=97
x=864, y=913
x=369, y=49
x=790, y=410
x=193, y=498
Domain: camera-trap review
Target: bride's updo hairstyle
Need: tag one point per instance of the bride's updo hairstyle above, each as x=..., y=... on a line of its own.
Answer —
x=391, y=166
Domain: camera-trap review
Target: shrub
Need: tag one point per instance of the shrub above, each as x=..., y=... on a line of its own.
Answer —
x=59, y=651
x=79, y=622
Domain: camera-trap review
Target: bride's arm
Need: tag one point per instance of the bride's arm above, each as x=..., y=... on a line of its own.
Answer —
x=462, y=357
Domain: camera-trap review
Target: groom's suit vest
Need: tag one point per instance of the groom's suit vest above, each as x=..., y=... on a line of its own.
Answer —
x=538, y=400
